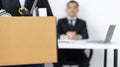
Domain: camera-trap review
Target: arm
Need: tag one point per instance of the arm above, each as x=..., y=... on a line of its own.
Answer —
x=45, y=4
x=61, y=35
x=59, y=29
x=84, y=32
x=0, y=4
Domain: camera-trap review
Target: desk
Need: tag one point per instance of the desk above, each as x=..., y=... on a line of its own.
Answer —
x=64, y=44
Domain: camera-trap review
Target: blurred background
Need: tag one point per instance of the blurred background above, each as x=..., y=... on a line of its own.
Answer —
x=98, y=14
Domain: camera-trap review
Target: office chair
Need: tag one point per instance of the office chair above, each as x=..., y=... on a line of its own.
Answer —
x=72, y=63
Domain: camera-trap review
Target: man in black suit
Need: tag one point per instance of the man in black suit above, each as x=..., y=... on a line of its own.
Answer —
x=72, y=28
x=12, y=6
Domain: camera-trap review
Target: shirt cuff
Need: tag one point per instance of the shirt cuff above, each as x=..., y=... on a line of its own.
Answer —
x=80, y=37
x=61, y=36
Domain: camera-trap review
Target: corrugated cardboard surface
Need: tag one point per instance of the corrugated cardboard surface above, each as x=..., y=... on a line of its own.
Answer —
x=27, y=40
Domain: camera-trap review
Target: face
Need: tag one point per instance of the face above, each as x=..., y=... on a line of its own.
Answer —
x=72, y=9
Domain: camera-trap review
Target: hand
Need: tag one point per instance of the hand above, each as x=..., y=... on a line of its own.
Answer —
x=76, y=37
x=69, y=35
x=65, y=37
x=72, y=35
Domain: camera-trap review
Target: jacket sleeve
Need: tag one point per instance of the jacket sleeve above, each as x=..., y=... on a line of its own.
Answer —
x=84, y=31
x=59, y=30
x=45, y=4
x=0, y=4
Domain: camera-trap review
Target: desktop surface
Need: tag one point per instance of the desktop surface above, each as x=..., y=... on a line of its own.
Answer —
x=84, y=44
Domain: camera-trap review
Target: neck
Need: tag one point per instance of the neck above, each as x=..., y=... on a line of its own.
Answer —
x=72, y=17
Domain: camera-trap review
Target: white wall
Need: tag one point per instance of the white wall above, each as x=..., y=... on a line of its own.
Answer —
x=99, y=14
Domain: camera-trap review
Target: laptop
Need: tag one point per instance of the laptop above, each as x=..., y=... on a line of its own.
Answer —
x=108, y=36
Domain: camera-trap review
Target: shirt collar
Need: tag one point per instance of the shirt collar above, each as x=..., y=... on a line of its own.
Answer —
x=74, y=18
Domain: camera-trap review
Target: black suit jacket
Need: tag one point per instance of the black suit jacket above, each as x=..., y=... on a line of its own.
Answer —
x=12, y=6
x=80, y=27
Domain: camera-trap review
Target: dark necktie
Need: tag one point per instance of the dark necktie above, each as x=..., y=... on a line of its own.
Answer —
x=71, y=24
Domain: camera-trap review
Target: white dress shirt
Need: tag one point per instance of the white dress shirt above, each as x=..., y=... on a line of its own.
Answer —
x=22, y=3
x=73, y=20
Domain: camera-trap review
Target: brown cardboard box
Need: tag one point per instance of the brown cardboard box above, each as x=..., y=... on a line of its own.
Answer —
x=27, y=40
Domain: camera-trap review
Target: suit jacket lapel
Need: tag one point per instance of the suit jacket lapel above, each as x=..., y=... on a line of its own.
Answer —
x=76, y=24
x=67, y=23
x=17, y=3
x=29, y=3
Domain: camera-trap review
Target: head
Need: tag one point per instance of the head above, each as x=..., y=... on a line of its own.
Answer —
x=72, y=8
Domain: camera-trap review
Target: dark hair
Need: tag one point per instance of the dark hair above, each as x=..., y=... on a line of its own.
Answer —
x=72, y=1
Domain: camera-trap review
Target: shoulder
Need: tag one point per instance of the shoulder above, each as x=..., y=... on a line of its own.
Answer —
x=62, y=19
x=81, y=20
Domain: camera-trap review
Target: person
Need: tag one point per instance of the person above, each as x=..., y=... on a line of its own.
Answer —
x=12, y=7
x=72, y=28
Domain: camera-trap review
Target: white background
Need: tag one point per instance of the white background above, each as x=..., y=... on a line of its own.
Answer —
x=98, y=14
